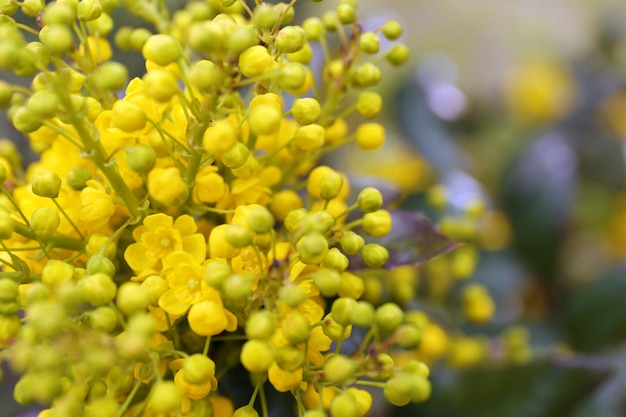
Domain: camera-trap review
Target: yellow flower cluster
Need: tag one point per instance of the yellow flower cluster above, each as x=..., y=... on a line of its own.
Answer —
x=187, y=227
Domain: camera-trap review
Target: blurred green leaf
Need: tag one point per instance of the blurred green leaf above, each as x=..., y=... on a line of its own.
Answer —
x=595, y=317
x=548, y=387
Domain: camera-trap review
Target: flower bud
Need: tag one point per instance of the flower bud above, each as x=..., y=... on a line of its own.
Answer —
x=111, y=76
x=140, y=158
x=161, y=49
x=335, y=260
x=369, y=43
x=388, y=317
x=294, y=218
x=345, y=405
x=165, y=397
x=346, y=14
x=296, y=328
x=408, y=336
x=330, y=21
x=238, y=236
x=370, y=136
x=255, y=61
x=290, y=39
x=236, y=156
x=335, y=331
x=6, y=93
x=237, y=287
x=58, y=38
x=327, y=281
x=44, y=222
x=89, y=10
x=132, y=297
x=290, y=358
x=375, y=255
x=260, y=220
x=369, y=104
x=167, y=186
x=309, y=137
x=24, y=120
x=139, y=37
x=46, y=184
x=264, y=119
x=257, y=355
x=392, y=30
x=341, y=308
x=260, y=325
x=362, y=314
x=305, y=110
x=366, y=75
x=127, y=116
x=351, y=286
x=205, y=75
x=397, y=391
x=314, y=28
x=47, y=318
x=43, y=103
x=398, y=54
x=198, y=369
x=97, y=289
x=160, y=85
x=8, y=290
x=265, y=16
x=242, y=38
x=7, y=225
x=56, y=272
x=58, y=13
x=330, y=185
x=293, y=77
x=313, y=248
x=377, y=223
x=370, y=200
x=216, y=273
x=292, y=295
x=8, y=8
x=303, y=55
x=351, y=243
x=338, y=369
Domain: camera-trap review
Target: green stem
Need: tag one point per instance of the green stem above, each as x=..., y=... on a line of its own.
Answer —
x=129, y=399
x=207, y=344
x=370, y=383
x=14, y=203
x=56, y=203
x=264, y=410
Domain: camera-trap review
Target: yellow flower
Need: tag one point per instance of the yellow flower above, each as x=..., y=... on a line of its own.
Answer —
x=96, y=205
x=209, y=186
x=166, y=185
x=282, y=380
x=159, y=236
x=184, y=275
x=209, y=317
x=194, y=391
x=218, y=246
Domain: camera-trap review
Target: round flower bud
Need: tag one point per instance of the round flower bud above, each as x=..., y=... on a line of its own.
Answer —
x=330, y=20
x=6, y=93
x=257, y=355
x=44, y=222
x=265, y=16
x=103, y=318
x=392, y=30
x=292, y=295
x=377, y=223
x=305, y=110
x=375, y=255
x=8, y=8
x=242, y=37
x=341, y=308
x=338, y=369
x=46, y=184
x=198, y=369
x=302, y=56
x=330, y=185
x=290, y=358
x=290, y=39
x=335, y=331
x=345, y=405
x=294, y=218
x=47, y=318
x=219, y=246
x=264, y=119
x=309, y=137
x=160, y=84
x=246, y=411
x=140, y=158
x=327, y=281
x=296, y=328
x=216, y=273
x=369, y=104
x=321, y=222
x=97, y=289
x=369, y=43
x=165, y=397
x=388, y=317
x=314, y=28
x=138, y=38
x=255, y=61
x=128, y=116
x=161, y=49
x=336, y=260
x=57, y=38
x=111, y=76
x=7, y=225
x=351, y=243
x=43, y=103
x=267, y=99
x=237, y=287
x=397, y=392
x=351, y=286
x=101, y=26
x=370, y=200
x=362, y=314
x=292, y=76
x=236, y=156
x=370, y=136
x=56, y=272
x=205, y=75
x=132, y=297
x=238, y=236
x=8, y=290
x=398, y=54
x=24, y=120
x=77, y=178
x=89, y=10
x=346, y=14
x=260, y=325
x=366, y=75
x=408, y=336
x=260, y=220
x=313, y=248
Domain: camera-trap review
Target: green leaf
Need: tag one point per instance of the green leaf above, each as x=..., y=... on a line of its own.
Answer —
x=550, y=387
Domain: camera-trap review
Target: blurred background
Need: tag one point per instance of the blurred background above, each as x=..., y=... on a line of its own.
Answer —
x=508, y=121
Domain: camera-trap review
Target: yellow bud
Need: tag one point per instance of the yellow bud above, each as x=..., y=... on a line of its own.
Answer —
x=46, y=184
x=44, y=222
x=165, y=397
x=314, y=28
x=305, y=110
x=377, y=223
x=369, y=104
x=160, y=84
x=218, y=244
x=128, y=116
x=219, y=137
x=56, y=272
x=255, y=61
x=313, y=248
x=370, y=136
x=338, y=369
x=166, y=185
x=284, y=202
x=161, y=49
x=264, y=119
x=375, y=255
x=309, y=137
x=369, y=43
x=257, y=355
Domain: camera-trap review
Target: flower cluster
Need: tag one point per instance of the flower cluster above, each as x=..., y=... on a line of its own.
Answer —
x=186, y=228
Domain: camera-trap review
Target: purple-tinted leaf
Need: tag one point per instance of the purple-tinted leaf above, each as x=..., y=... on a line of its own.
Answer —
x=413, y=240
